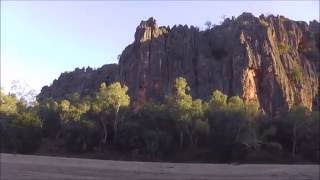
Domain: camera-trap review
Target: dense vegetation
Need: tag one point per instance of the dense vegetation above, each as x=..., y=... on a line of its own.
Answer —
x=224, y=129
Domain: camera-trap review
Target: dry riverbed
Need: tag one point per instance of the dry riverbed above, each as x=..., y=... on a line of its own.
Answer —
x=28, y=167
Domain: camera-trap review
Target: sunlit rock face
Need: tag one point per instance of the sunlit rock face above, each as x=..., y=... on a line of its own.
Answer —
x=270, y=60
x=249, y=86
x=255, y=58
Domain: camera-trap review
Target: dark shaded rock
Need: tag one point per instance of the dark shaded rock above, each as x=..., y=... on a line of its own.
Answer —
x=84, y=81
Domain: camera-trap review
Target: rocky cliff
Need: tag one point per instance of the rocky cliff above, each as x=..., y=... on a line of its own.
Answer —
x=85, y=81
x=270, y=60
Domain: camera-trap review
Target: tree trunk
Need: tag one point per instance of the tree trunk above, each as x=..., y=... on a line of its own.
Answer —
x=105, y=132
x=294, y=140
x=238, y=133
x=115, y=125
x=58, y=134
x=191, y=134
x=181, y=139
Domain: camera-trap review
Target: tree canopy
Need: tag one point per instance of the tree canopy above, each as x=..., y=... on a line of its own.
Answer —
x=221, y=129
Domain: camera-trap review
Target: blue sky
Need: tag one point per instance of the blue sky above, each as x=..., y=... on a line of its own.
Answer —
x=40, y=39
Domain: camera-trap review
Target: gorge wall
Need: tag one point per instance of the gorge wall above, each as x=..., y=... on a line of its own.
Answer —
x=270, y=60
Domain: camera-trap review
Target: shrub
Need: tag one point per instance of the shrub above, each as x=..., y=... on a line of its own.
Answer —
x=157, y=143
x=22, y=133
x=283, y=48
x=81, y=136
x=208, y=25
x=228, y=134
x=21, y=139
x=48, y=113
x=297, y=73
x=129, y=137
x=28, y=119
x=151, y=131
x=272, y=147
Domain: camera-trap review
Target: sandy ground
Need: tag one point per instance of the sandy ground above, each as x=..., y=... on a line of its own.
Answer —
x=27, y=167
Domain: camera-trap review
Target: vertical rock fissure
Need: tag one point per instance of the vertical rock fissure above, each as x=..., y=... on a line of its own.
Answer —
x=167, y=62
x=195, y=72
x=149, y=54
x=230, y=90
x=195, y=65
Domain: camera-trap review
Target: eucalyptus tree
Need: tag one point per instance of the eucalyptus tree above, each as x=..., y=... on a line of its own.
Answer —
x=110, y=99
x=181, y=103
x=8, y=104
x=297, y=121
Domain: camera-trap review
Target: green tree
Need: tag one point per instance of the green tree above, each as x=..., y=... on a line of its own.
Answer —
x=181, y=104
x=80, y=136
x=28, y=119
x=297, y=119
x=252, y=110
x=241, y=115
x=198, y=127
x=197, y=109
x=8, y=104
x=208, y=25
x=23, y=134
x=20, y=125
x=236, y=104
x=230, y=129
x=150, y=131
x=110, y=99
x=297, y=131
x=79, y=133
x=310, y=145
x=48, y=113
x=70, y=112
x=218, y=101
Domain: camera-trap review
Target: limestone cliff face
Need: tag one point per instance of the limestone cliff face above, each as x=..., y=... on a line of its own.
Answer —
x=270, y=60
